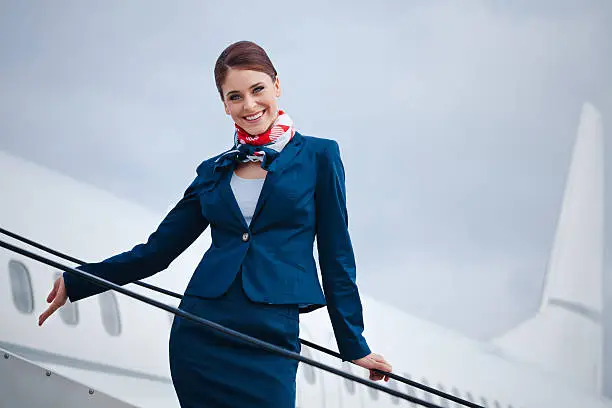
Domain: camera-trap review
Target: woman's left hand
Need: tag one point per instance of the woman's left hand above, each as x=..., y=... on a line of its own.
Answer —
x=375, y=362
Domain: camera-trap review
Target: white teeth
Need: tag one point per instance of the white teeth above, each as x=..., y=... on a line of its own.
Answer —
x=254, y=116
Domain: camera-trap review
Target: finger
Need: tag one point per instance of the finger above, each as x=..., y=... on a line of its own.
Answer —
x=50, y=310
x=382, y=360
x=384, y=366
x=53, y=292
x=45, y=315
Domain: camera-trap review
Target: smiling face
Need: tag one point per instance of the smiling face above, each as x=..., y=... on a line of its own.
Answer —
x=249, y=98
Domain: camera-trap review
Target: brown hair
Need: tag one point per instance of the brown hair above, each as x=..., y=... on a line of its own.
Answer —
x=242, y=55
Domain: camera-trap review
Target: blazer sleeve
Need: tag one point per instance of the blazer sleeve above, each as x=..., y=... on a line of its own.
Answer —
x=336, y=258
x=179, y=229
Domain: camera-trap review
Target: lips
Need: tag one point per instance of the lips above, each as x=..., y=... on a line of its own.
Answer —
x=255, y=117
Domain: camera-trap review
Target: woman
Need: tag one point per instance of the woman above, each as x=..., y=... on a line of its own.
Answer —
x=266, y=200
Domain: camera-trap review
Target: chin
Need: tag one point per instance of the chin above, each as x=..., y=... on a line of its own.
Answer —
x=255, y=130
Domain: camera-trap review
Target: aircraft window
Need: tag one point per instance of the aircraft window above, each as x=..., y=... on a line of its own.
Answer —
x=444, y=403
x=21, y=287
x=110, y=313
x=484, y=402
x=348, y=384
x=393, y=385
x=426, y=394
x=410, y=390
x=308, y=370
x=69, y=313
x=373, y=393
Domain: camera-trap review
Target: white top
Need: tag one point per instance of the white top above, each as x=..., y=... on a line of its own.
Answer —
x=246, y=192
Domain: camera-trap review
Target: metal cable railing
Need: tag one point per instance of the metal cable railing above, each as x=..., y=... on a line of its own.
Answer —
x=270, y=347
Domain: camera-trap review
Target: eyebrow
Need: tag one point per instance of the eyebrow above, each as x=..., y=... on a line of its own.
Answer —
x=251, y=87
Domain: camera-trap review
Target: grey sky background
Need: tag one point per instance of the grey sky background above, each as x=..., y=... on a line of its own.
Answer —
x=455, y=119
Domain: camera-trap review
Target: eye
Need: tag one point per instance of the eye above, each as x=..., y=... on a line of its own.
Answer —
x=258, y=89
x=234, y=97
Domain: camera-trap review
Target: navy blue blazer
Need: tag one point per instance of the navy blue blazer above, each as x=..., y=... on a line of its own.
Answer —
x=303, y=197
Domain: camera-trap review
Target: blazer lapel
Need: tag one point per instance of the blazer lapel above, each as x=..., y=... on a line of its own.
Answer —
x=225, y=191
x=276, y=169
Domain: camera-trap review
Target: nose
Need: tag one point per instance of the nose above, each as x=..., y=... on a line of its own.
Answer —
x=249, y=104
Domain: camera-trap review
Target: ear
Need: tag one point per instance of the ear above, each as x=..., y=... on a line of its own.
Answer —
x=277, y=87
x=226, y=108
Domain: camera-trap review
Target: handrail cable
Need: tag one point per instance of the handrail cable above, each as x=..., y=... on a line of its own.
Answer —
x=78, y=261
x=246, y=338
x=105, y=283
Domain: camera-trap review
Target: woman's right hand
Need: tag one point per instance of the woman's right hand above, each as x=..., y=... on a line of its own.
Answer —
x=57, y=298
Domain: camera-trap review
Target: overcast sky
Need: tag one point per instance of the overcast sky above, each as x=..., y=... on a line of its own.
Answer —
x=455, y=119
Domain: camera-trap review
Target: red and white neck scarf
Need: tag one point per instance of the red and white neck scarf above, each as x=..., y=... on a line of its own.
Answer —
x=255, y=148
x=264, y=147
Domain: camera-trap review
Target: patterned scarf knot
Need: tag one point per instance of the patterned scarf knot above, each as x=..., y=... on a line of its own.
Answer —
x=264, y=147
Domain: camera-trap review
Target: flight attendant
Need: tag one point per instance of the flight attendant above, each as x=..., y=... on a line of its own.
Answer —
x=266, y=200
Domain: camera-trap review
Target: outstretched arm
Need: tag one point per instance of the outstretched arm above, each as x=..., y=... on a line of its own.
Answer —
x=179, y=229
x=183, y=224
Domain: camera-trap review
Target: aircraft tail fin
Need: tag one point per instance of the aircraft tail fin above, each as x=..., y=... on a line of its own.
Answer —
x=565, y=337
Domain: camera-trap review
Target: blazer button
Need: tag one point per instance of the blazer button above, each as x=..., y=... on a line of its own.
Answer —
x=245, y=237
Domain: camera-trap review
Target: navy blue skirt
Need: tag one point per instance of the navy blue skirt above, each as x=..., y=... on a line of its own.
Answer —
x=210, y=369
